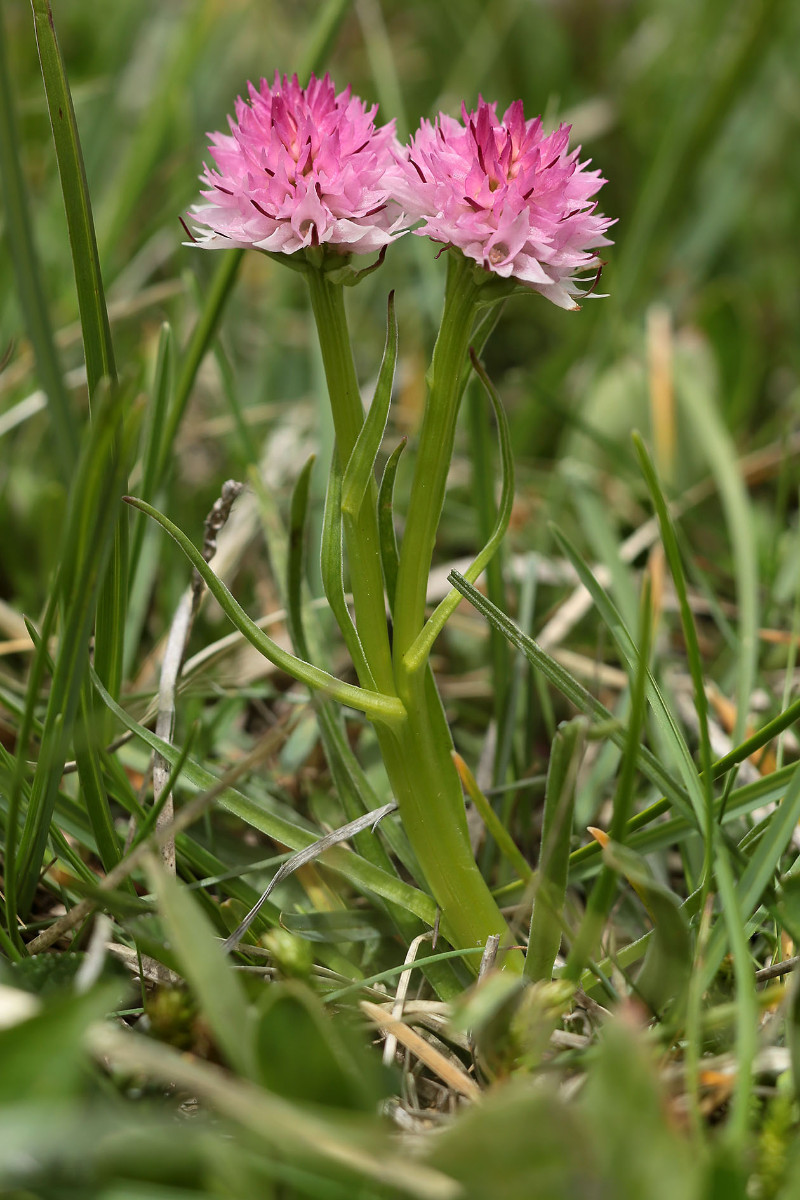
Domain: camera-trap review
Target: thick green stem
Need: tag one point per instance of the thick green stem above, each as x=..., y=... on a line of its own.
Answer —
x=361, y=531
x=418, y=761
x=435, y=450
x=426, y=783
x=417, y=749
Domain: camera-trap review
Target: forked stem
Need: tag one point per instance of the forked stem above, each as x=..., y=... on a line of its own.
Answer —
x=417, y=749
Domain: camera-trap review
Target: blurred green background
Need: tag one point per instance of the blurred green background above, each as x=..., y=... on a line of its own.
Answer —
x=690, y=107
x=692, y=110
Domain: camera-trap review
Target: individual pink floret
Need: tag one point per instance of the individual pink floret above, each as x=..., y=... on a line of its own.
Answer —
x=514, y=200
x=301, y=167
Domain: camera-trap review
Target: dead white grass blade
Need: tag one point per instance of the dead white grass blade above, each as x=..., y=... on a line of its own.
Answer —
x=307, y=855
x=457, y=1080
x=174, y=654
x=390, y=1045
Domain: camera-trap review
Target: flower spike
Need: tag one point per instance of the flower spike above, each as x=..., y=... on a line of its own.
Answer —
x=515, y=200
x=301, y=168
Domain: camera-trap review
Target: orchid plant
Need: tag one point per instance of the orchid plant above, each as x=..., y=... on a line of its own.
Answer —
x=306, y=176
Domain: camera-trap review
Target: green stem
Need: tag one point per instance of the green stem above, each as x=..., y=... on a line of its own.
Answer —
x=423, y=774
x=435, y=450
x=417, y=754
x=361, y=530
x=417, y=748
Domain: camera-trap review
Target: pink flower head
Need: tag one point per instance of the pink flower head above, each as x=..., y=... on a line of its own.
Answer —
x=507, y=196
x=301, y=167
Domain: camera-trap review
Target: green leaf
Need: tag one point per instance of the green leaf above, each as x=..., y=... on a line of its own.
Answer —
x=518, y=1142
x=623, y=1093
x=294, y=568
x=95, y=327
x=494, y=826
x=304, y=1056
x=202, y=336
x=338, y=927
x=153, y=433
x=667, y=968
x=736, y=916
x=390, y=557
x=375, y=704
x=44, y=1057
x=761, y=869
x=87, y=756
x=361, y=464
x=740, y=802
x=602, y=894
x=670, y=543
x=331, y=566
x=721, y=452
x=88, y=279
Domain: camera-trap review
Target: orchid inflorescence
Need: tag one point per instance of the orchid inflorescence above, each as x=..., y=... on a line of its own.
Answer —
x=306, y=176
x=307, y=167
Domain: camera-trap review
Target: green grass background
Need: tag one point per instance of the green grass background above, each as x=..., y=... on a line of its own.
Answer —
x=691, y=108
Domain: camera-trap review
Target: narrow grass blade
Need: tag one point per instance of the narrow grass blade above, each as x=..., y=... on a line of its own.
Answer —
x=762, y=867
x=153, y=451
x=95, y=797
x=694, y=657
x=484, y=504
x=494, y=826
x=390, y=557
x=18, y=791
x=420, y=649
x=202, y=963
x=392, y=972
x=29, y=279
x=338, y=927
x=322, y=37
x=361, y=464
x=145, y=148
x=566, y=753
x=683, y=144
x=702, y=415
x=577, y=694
x=202, y=336
x=625, y=643
x=736, y=915
x=95, y=327
x=360, y=873
x=112, y=598
x=740, y=803
x=379, y=706
x=88, y=279
x=89, y=533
